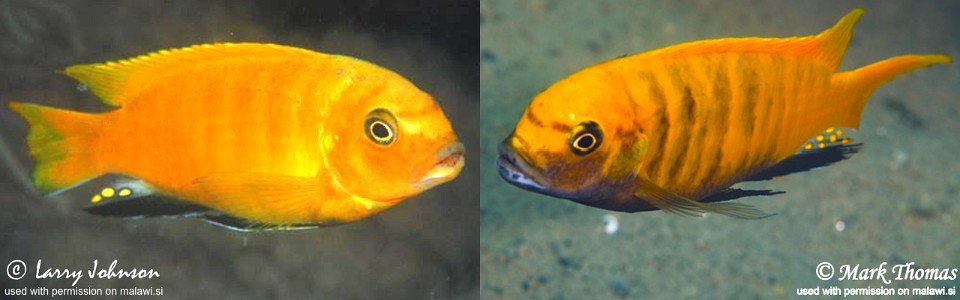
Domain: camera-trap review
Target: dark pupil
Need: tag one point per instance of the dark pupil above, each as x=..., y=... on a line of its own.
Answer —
x=379, y=130
x=585, y=141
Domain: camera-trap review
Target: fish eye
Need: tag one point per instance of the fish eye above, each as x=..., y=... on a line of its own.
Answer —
x=585, y=138
x=379, y=127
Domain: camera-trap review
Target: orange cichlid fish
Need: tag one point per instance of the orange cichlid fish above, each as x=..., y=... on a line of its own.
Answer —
x=248, y=136
x=675, y=128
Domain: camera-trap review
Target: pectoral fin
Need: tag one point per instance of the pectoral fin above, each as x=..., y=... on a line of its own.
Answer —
x=673, y=203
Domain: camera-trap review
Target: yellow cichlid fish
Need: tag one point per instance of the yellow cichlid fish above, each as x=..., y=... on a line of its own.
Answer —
x=248, y=136
x=675, y=128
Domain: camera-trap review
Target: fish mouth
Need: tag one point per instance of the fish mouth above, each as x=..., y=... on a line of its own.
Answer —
x=516, y=171
x=450, y=161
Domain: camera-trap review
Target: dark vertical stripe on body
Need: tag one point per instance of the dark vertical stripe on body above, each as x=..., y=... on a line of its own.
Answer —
x=778, y=107
x=792, y=77
x=659, y=132
x=722, y=98
x=760, y=144
x=804, y=75
x=634, y=107
x=686, y=107
x=684, y=156
x=748, y=107
x=748, y=75
x=703, y=120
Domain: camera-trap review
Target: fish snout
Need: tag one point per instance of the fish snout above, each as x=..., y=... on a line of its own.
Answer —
x=512, y=168
x=449, y=162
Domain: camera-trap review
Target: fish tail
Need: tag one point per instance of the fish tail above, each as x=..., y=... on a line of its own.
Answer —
x=856, y=86
x=62, y=144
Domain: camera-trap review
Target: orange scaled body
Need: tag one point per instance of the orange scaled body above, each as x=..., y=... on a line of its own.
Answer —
x=671, y=128
x=271, y=134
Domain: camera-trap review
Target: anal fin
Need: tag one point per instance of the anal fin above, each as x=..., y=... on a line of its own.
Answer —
x=147, y=207
x=125, y=197
x=822, y=150
x=115, y=195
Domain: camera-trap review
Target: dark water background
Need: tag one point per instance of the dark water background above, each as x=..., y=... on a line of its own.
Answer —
x=897, y=200
x=425, y=248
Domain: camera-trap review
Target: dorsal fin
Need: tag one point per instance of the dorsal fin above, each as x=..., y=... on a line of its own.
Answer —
x=115, y=81
x=826, y=48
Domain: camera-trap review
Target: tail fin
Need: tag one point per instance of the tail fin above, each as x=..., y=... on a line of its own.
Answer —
x=62, y=143
x=855, y=86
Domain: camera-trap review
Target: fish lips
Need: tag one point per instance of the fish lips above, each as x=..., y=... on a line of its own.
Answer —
x=516, y=171
x=449, y=162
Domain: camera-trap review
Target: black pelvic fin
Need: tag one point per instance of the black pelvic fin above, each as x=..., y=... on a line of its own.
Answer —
x=241, y=224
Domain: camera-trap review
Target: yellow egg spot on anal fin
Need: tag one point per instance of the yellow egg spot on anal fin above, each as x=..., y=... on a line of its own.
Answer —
x=821, y=145
x=833, y=138
x=96, y=198
x=107, y=192
x=829, y=130
x=124, y=192
x=808, y=147
x=839, y=132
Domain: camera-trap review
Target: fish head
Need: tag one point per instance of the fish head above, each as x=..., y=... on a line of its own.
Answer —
x=395, y=143
x=576, y=140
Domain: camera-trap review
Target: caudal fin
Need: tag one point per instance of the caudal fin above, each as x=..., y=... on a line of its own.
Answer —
x=855, y=86
x=61, y=143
